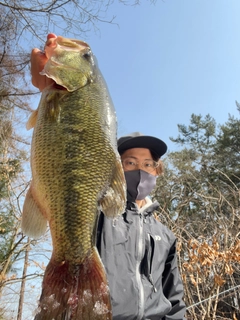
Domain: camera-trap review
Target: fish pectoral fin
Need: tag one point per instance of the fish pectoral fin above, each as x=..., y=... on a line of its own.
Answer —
x=34, y=224
x=32, y=120
x=113, y=202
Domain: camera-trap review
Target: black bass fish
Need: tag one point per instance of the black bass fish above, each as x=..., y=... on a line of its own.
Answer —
x=76, y=173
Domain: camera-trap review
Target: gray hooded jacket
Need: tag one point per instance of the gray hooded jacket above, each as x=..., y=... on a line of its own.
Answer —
x=139, y=255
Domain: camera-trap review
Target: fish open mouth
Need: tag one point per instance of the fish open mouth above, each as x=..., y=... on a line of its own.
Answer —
x=58, y=87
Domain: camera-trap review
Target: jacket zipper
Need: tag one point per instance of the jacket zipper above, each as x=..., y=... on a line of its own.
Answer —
x=150, y=279
x=149, y=276
x=138, y=275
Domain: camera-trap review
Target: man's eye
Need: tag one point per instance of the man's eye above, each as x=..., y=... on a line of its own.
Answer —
x=148, y=164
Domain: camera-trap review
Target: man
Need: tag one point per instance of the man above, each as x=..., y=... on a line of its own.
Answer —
x=138, y=252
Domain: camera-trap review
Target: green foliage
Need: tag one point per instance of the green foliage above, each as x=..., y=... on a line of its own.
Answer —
x=227, y=150
x=208, y=164
x=200, y=133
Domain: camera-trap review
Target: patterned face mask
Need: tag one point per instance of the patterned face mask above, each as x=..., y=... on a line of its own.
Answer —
x=139, y=184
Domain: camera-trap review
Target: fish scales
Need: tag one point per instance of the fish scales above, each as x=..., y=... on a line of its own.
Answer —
x=76, y=170
x=81, y=162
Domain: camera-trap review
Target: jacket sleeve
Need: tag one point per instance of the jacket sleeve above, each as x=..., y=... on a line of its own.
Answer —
x=173, y=286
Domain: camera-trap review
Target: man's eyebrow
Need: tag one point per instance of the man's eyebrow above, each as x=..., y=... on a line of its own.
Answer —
x=137, y=158
x=131, y=157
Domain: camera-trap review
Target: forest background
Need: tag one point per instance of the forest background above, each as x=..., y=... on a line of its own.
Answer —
x=199, y=192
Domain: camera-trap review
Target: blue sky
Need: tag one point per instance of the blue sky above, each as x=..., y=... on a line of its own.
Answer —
x=167, y=60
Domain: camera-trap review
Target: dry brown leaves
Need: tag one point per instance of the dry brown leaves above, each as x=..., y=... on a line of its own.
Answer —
x=210, y=260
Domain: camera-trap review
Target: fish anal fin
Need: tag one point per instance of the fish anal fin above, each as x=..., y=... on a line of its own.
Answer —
x=32, y=120
x=114, y=200
x=78, y=291
x=34, y=224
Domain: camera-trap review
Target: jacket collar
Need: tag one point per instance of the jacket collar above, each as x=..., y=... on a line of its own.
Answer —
x=146, y=210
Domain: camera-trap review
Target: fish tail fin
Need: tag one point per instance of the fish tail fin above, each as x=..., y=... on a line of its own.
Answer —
x=75, y=291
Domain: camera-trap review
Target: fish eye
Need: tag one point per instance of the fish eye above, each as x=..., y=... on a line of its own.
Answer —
x=87, y=55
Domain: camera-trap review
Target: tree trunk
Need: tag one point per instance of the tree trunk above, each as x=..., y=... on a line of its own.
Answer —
x=21, y=297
